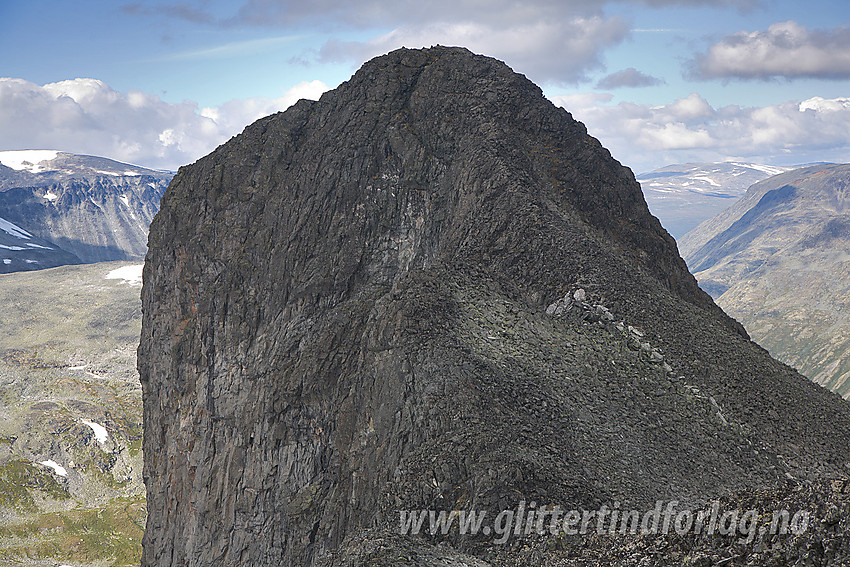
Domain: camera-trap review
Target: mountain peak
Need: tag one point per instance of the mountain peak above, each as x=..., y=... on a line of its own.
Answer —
x=431, y=289
x=42, y=167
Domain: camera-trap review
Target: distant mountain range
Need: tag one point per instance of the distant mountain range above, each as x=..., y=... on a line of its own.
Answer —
x=59, y=208
x=778, y=260
x=684, y=195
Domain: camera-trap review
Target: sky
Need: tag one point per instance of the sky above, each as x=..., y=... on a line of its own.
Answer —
x=161, y=83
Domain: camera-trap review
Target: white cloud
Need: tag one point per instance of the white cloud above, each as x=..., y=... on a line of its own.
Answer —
x=645, y=137
x=629, y=77
x=786, y=49
x=87, y=116
x=526, y=46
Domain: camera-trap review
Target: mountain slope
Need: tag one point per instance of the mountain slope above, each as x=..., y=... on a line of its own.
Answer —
x=684, y=195
x=92, y=208
x=431, y=289
x=778, y=261
x=71, y=489
x=20, y=251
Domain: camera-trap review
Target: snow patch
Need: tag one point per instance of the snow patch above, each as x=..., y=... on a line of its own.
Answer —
x=57, y=468
x=100, y=432
x=11, y=247
x=708, y=180
x=14, y=230
x=131, y=174
x=112, y=173
x=131, y=275
x=27, y=160
x=125, y=200
x=7, y=261
x=768, y=169
x=28, y=261
x=50, y=196
x=31, y=245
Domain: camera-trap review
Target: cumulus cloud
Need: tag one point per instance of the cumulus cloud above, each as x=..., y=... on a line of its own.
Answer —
x=528, y=48
x=645, y=137
x=786, y=49
x=87, y=116
x=630, y=77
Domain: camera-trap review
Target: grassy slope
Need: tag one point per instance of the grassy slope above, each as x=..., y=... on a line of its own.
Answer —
x=67, y=354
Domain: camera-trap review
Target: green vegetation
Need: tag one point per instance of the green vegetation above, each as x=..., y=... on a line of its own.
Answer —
x=68, y=355
x=19, y=478
x=112, y=534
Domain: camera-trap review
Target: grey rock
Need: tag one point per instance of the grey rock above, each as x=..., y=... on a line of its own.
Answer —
x=604, y=314
x=318, y=296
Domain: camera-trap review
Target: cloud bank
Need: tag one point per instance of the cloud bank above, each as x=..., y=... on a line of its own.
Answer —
x=89, y=117
x=645, y=137
x=786, y=49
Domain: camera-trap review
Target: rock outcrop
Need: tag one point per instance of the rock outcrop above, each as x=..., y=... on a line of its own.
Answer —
x=348, y=312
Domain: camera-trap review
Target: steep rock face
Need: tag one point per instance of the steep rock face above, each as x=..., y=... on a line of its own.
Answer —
x=98, y=219
x=345, y=315
x=778, y=261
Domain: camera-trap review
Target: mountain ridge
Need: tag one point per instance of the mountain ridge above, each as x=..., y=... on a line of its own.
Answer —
x=83, y=208
x=683, y=195
x=777, y=262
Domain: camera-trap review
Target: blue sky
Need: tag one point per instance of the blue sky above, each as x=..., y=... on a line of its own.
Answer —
x=657, y=81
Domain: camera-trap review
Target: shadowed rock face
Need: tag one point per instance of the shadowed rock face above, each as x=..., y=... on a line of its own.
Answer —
x=345, y=315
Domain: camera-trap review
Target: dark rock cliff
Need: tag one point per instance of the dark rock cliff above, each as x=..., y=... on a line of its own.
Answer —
x=358, y=306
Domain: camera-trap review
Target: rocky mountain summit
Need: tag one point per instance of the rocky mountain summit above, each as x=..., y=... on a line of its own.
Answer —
x=778, y=261
x=433, y=290
x=80, y=209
